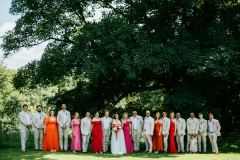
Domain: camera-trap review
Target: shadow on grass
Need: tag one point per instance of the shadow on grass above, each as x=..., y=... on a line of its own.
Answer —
x=137, y=155
x=13, y=154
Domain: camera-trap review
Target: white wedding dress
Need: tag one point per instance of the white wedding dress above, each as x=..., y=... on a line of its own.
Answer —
x=117, y=141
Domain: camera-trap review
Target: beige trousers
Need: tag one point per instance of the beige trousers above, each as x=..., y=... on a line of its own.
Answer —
x=85, y=141
x=180, y=142
x=106, y=136
x=213, y=141
x=63, y=134
x=148, y=142
x=38, y=138
x=24, y=132
x=165, y=143
x=136, y=136
x=202, y=139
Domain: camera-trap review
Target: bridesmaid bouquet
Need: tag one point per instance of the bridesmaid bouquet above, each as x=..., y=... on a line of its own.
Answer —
x=116, y=128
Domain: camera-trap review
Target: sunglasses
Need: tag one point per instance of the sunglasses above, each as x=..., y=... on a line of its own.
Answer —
x=147, y=113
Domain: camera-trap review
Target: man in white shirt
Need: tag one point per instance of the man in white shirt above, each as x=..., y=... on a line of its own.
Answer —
x=63, y=119
x=86, y=131
x=202, y=133
x=106, y=126
x=38, y=125
x=180, y=132
x=137, y=125
x=192, y=128
x=25, y=125
x=213, y=132
x=165, y=130
x=148, y=128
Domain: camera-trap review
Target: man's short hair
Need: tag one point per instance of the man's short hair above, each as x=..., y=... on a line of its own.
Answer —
x=25, y=105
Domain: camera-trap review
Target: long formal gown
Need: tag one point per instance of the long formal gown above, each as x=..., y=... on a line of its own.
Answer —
x=172, y=144
x=128, y=136
x=76, y=135
x=97, y=136
x=51, y=141
x=117, y=140
x=157, y=137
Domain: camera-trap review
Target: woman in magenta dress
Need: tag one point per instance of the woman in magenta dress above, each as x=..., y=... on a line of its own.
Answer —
x=126, y=126
x=76, y=134
x=172, y=132
x=97, y=134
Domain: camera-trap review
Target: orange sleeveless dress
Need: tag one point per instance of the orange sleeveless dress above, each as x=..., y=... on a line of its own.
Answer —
x=51, y=141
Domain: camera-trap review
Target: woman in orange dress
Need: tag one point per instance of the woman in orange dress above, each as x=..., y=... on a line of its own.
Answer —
x=157, y=135
x=51, y=142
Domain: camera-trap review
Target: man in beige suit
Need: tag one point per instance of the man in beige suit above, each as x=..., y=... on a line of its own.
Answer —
x=148, y=128
x=213, y=132
x=202, y=133
x=137, y=125
x=38, y=125
x=25, y=125
x=180, y=132
x=192, y=128
x=63, y=119
x=106, y=127
x=165, y=130
x=86, y=131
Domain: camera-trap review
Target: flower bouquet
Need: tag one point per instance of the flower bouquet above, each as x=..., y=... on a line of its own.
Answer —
x=116, y=128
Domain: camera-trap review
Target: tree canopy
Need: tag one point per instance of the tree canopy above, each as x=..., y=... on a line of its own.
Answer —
x=188, y=48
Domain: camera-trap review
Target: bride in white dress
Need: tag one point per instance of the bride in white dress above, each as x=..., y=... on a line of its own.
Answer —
x=117, y=141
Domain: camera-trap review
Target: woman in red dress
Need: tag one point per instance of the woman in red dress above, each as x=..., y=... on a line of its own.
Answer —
x=172, y=132
x=157, y=134
x=97, y=134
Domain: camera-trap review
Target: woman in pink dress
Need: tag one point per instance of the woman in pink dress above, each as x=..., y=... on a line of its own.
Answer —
x=97, y=134
x=172, y=132
x=126, y=126
x=76, y=134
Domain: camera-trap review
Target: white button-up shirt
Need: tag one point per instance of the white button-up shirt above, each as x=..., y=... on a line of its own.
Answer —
x=64, y=118
x=106, y=121
x=148, y=126
x=166, y=125
x=86, y=126
x=25, y=118
x=137, y=123
x=210, y=126
x=192, y=125
x=180, y=126
x=203, y=126
x=214, y=127
x=38, y=120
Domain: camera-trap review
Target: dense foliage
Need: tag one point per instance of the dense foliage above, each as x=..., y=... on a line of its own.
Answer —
x=11, y=100
x=187, y=48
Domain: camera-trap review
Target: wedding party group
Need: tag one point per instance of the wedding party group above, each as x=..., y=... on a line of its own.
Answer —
x=121, y=136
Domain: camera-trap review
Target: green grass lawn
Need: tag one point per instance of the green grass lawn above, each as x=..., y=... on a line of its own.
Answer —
x=14, y=154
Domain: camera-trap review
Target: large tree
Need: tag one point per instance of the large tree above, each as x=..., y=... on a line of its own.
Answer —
x=190, y=48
